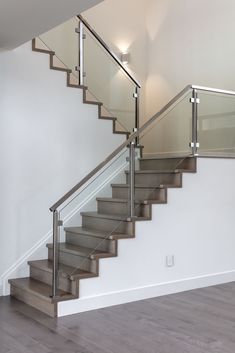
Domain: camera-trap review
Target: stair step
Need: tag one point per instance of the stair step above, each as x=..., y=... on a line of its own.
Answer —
x=74, y=85
x=181, y=164
x=65, y=271
x=142, y=192
x=97, y=234
x=121, y=132
x=103, y=245
x=108, y=223
x=139, y=186
x=107, y=118
x=154, y=171
x=37, y=294
x=144, y=202
x=151, y=187
x=155, y=178
x=57, y=68
x=44, y=51
x=41, y=270
x=81, y=251
x=112, y=217
x=92, y=102
x=121, y=207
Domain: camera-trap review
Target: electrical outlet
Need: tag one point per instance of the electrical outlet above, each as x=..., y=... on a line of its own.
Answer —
x=170, y=260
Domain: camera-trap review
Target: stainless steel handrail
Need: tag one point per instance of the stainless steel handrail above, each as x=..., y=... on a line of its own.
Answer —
x=115, y=152
x=56, y=221
x=213, y=90
x=106, y=47
x=135, y=135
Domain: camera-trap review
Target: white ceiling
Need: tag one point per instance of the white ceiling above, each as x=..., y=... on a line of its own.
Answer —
x=22, y=20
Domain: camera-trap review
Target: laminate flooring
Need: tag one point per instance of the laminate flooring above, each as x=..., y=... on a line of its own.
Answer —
x=197, y=321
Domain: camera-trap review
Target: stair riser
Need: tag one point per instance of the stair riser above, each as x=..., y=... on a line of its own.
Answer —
x=108, y=225
x=121, y=208
x=46, y=277
x=140, y=193
x=75, y=261
x=92, y=242
x=168, y=164
x=32, y=300
x=157, y=179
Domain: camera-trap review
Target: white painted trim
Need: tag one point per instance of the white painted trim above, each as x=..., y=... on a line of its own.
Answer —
x=140, y=293
x=24, y=258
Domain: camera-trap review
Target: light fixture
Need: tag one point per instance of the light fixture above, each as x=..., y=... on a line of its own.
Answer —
x=125, y=58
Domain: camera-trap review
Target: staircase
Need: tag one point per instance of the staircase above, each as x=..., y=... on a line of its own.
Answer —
x=98, y=236
x=147, y=180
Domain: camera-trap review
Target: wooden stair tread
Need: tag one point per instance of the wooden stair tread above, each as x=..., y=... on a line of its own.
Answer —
x=39, y=289
x=82, y=251
x=111, y=216
x=144, y=202
x=165, y=157
x=60, y=69
x=139, y=186
x=76, y=86
x=107, y=118
x=97, y=234
x=45, y=51
x=155, y=171
x=74, y=274
x=121, y=132
x=92, y=102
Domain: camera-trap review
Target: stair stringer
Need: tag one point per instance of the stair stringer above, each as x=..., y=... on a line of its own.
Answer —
x=18, y=266
x=71, y=84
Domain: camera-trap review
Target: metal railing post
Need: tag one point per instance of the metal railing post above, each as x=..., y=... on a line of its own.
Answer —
x=137, y=111
x=195, y=101
x=131, y=198
x=55, y=253
x=81, y=53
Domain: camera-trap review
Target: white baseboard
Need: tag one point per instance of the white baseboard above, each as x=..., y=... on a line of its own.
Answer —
x=140, y=293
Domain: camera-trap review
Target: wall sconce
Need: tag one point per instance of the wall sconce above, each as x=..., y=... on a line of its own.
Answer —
x=125, y=58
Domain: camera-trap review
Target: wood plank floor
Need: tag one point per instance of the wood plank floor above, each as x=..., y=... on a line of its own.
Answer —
x=199, y=321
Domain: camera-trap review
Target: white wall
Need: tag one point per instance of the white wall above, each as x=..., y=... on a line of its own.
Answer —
x=196, y=226
x=172, y=43
x=188, y=42
x=49, y=140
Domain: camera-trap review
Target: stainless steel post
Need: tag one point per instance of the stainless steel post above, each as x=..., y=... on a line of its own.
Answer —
x=194, y=101
x=81, y=53
x=55, y=253
x=137, y=111
x=131, y=199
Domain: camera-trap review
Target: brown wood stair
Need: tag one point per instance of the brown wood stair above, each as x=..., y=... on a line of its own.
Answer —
x=69, y=82
x=97, y=237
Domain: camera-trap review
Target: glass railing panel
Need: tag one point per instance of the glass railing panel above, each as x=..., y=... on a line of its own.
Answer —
x=171, y=133
x=166, y=153
x=216, y=123
x=93, y=197
x=63, y=40
x=109, y=83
